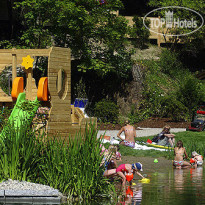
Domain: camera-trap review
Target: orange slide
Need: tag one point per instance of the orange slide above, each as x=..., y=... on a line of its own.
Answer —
x=42, y=93
x=17, y=87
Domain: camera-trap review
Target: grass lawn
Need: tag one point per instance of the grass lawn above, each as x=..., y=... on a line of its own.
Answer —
x=193, y=141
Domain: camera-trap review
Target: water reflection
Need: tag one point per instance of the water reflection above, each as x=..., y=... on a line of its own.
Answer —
x=173, y=186
x=133, y=196
x=177, y=186
x=179, y=179
x=197, y=175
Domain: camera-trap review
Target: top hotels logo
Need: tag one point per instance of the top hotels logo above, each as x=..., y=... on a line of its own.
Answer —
x=192, y=23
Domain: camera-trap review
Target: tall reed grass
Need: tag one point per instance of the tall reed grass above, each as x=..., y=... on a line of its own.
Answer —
x=75, y=168
x=19, y=154
x=72, y=166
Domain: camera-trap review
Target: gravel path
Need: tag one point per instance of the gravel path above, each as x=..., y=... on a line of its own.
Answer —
x=143, y=132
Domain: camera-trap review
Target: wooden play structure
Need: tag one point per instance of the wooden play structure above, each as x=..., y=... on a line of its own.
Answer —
x=63, y=118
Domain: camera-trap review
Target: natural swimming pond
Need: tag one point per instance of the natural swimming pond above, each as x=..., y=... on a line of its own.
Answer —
x=176, y=186
x=167, y=186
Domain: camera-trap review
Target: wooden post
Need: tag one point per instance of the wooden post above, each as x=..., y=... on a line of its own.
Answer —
x=14, y=64
x=159, y=36
x=29, y=84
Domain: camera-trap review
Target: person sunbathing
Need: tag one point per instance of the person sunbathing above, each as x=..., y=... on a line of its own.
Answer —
x=130, y=134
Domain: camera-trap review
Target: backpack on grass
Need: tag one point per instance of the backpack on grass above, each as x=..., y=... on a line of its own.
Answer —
x=156, y=138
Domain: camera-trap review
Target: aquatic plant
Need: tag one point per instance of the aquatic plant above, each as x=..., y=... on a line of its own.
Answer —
x=19, y=154
x=72, y=166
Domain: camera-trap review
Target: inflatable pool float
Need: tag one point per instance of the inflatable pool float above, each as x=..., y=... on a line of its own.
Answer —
x=160, y=146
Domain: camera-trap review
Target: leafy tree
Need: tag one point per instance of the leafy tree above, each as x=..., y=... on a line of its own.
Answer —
x=96, y=36
x=139, y=32
x=191, y=93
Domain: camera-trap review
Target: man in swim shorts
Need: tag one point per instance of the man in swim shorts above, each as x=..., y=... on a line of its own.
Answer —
x=130, y=134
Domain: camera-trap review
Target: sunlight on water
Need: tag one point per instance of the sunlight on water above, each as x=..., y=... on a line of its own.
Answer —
x=177, y=186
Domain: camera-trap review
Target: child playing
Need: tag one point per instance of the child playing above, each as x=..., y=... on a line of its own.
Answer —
x=113, y=163
x=179, y=152
x=118, y=155
x=112, y=155
x=128, y=168
x=123, y=169
x=198, y=158
x=109, y=157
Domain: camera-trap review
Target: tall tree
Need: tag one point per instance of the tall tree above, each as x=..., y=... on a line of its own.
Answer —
x=96, y=36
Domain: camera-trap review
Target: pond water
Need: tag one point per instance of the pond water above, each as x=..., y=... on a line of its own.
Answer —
x=174, y=186
x=167, y=186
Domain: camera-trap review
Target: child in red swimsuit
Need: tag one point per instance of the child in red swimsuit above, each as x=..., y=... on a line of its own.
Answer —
x=128, y=168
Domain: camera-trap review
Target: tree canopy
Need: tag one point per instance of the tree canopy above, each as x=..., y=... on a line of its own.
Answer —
x=96, y=36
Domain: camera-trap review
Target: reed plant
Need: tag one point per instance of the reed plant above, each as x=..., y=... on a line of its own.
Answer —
x=73, y=166
x=19, y=154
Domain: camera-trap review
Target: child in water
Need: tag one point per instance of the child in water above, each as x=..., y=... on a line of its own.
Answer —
x=109, y=157
x=179, y=152
x=123, y=169
x=118, y=154
x=198, y=158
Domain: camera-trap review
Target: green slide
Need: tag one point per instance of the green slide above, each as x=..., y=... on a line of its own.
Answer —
x=21, y=115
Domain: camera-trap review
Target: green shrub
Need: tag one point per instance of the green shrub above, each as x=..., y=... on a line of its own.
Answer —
x=191, y=93
x=170, y=89
x=170, y=63
x=139, y=115
x=173, y=108
x=106, y=111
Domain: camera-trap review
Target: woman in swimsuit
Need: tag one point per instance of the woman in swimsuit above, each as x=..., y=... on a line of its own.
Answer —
x=179, y=152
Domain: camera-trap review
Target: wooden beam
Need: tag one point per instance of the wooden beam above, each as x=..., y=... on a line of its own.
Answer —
x=14, y=64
